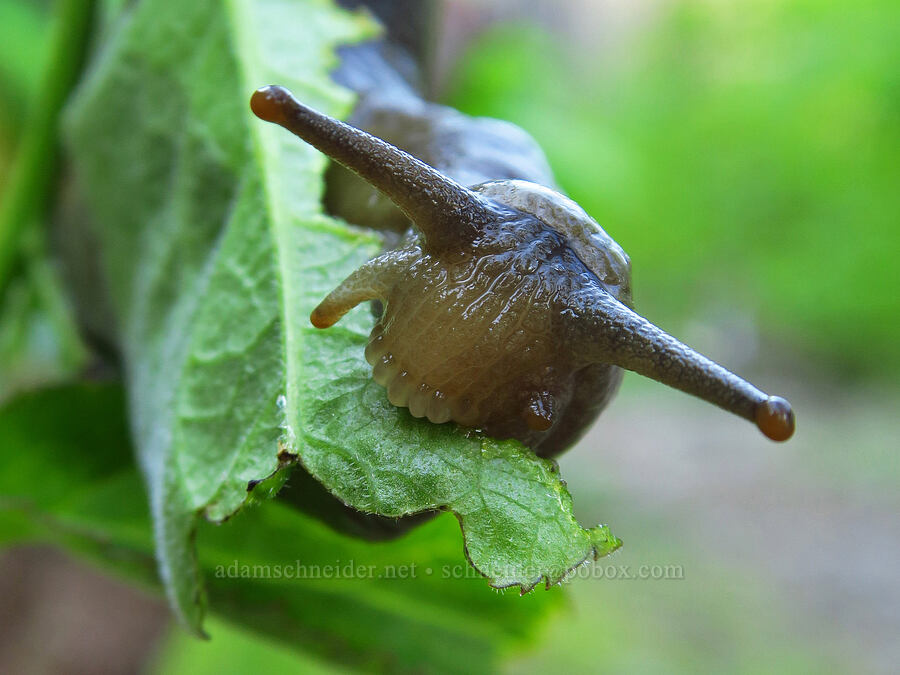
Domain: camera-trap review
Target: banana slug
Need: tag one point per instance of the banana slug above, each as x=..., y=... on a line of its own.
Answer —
x=507, y=308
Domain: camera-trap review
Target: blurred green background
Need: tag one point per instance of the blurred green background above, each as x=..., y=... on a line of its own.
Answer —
x=745, y=154
x=747, y=157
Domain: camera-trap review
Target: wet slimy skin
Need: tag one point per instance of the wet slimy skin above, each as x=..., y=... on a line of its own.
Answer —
x=509, y=308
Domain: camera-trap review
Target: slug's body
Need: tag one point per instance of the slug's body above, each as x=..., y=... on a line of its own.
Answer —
x=508, y=309
x=476, y=335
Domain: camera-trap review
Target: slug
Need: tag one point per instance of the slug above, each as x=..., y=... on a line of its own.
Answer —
x=508, y=308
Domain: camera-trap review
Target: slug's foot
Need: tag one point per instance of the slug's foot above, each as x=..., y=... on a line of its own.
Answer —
x=403, y=389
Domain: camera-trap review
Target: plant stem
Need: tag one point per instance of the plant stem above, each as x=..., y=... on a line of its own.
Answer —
x=26, y=197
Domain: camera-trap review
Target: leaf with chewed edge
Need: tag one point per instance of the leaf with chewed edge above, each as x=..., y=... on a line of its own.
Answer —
x=216, y=249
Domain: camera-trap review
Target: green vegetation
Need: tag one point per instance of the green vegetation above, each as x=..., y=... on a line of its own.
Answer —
x=746, y=155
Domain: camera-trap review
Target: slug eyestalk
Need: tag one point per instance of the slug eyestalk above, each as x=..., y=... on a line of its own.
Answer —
x=613, y=333
x=445, y=212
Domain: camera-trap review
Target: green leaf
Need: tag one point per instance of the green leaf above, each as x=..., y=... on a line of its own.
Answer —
x=21, y=53
x=73, y=482
x=25, y=197
x=216, y=248
x=67, y=476
x=39, y=342
x=230, y=651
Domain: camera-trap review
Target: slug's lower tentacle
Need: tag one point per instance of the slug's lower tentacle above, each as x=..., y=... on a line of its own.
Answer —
x=372, y=281
x=612, y=333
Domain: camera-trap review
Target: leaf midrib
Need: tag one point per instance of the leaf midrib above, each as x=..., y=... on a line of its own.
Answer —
x=250, y=70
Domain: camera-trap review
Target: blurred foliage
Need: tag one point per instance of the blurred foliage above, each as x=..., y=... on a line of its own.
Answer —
x=38, y=342
x=73, y=483
x=231, y=650
x=39, y=62
x=23, y=37
x=746, y=155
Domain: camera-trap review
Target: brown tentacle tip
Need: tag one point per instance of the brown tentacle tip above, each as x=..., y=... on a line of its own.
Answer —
x=775, y=418
x=322, y=319
x=267, y=103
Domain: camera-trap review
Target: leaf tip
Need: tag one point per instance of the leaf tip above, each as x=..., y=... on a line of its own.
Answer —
x=604, y=541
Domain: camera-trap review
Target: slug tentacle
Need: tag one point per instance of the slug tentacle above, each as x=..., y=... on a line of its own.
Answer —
x=372, y=281
x=612, y=333
x=446, y=213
